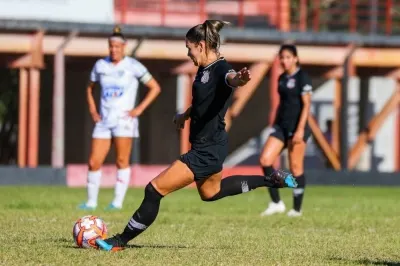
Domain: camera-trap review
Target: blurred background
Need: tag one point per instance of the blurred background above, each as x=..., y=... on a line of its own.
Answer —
x=350, y=48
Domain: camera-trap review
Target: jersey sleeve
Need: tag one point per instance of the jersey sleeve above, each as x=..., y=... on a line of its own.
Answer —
x=306, y=85
x=94, y=75
x=223, y=70
x=141, y=72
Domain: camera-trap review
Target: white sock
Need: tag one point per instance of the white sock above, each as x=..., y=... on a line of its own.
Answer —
x=93, y=186
x=123, y=178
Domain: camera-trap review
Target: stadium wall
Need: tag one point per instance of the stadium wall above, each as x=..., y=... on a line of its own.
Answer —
x=75, y=176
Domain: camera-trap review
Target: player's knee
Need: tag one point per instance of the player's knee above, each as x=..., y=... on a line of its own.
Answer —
x=208, y=196
x=122, y=162
x=208, y=199
x=94, y=164
x=296, y=168
x=151, y=192
x=265, y=161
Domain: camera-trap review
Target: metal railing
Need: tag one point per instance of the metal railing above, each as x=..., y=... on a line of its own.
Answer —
x=242, y=13
x=363, y=16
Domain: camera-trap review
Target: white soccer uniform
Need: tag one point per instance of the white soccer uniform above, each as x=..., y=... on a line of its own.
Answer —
x=119, y=88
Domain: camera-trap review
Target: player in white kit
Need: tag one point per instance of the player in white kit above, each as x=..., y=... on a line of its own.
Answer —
x=118, y=76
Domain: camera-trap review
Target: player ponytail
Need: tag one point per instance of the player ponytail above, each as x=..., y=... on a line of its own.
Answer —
x=117, y=35
x=207, y=32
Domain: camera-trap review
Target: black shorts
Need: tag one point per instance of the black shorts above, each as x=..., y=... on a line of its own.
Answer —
x=285, y=135
x=205, y=160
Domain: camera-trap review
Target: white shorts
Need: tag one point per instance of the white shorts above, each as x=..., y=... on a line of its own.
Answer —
x=123, y=127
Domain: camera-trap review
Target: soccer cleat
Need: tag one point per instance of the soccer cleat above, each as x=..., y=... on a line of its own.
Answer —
x=85, y=207
x=114, y=243
x=282, y=179
x=111, y=207
x=293, y=213
x=274, y=208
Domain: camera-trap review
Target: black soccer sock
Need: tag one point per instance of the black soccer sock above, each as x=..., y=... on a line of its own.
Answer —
x=268, y=170
x=145, y=215
x=273, y=192
x=238, y=184
x=298, y=192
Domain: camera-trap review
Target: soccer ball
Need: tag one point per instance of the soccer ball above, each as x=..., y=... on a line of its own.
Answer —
x=87, y=229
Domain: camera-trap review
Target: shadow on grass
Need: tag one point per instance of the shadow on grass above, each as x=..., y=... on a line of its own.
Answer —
x=173, y=246
x=369, y=262
x=155, y=246
x=72, y=245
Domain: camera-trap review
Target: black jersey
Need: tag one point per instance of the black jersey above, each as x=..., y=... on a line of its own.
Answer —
x=290, y=89
x=210, y=100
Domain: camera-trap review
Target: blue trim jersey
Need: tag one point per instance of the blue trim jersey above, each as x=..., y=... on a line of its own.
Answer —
x=119, y=85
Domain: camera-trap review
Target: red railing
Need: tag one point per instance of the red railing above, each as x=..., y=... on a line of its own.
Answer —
x=363, y=16
x=261, y=13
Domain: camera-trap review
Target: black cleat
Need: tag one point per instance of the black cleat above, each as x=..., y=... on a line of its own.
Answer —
x=281, y=179
x=114, y=243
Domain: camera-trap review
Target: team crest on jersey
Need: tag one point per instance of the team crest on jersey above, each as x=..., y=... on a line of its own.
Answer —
x=120, y=73
x=291, y=83
x=205, y=77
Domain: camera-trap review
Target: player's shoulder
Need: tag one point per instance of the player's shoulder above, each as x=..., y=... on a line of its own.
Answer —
x=303, y=74
x=281, y=76
x=102, y=62
x=222, y=65
x=221, y=62
x=132, y=61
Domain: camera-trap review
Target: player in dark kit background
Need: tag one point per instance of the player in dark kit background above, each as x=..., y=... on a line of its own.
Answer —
x=290, y=129
x=211, y=92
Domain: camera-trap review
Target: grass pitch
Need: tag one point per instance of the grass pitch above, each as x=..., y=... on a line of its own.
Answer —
x=340, y=226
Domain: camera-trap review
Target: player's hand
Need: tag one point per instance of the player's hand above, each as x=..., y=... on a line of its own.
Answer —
x=243, y=76
x=179, y=121
x=135, y=112
x=95, y=116
x=298, y=136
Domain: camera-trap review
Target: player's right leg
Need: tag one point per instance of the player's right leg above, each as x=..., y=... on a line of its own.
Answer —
x=123, y=147
x=177, y=176
x=269, y=154
x=101, y=142
x=214, y=188
x=296, y=161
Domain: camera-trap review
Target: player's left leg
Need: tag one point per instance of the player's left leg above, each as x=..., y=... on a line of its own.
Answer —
x=126, y=129
x=177, y=176
x=123, y=146
x=296, y=163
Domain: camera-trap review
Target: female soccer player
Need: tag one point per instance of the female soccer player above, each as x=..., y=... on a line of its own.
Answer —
x=118, y=76
x=212, y=89
x=291, y=129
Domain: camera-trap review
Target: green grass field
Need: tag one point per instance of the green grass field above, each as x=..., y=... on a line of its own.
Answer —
x=340, y=226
